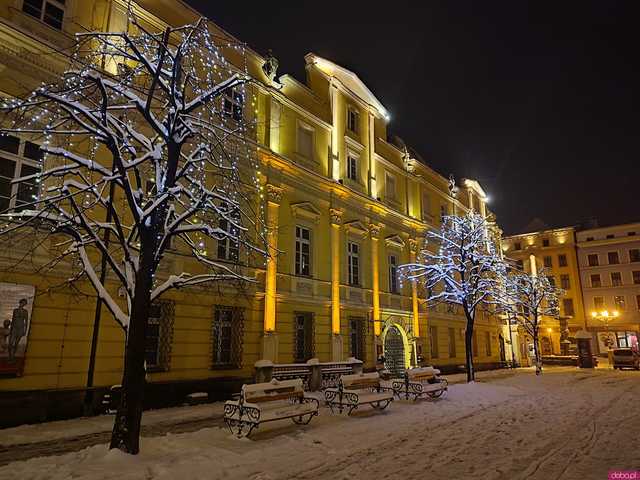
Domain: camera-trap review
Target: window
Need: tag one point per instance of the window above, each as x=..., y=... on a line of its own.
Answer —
x=548, y=262
x=18, y=159
x=598, y=303
x=390, y=186
x=159, y=334
x=517, y=246
x=590, y=239
x=393, y=274
x=303, y=341
x=545, y=242
x=433, y=341
x=487, y=343
x=552, y=280
x=616, y=279
x=620, y=302
x=596, y=282
x=611, y=235
x=228, y=246
x=452, y=342
x=567, y=305
x=636, y=277
x=565, y=283
x=227, y=336
x=232, y=102
x=50, y=12
x=303, y=251
x=592, y=260
x=426, y=207
x=352, y=120
x=631, y=234
x=305, y=142
x=352, y=167
x=613, y=258
x=358, y=335
x=562, y=260
x=353, y=258
x=634, y=255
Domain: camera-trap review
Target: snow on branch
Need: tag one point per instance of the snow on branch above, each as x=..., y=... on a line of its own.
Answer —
x=144, y=156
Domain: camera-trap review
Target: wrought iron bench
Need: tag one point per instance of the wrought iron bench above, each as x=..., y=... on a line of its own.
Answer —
x=356, y=390
x=421, y=381
x=266, y=402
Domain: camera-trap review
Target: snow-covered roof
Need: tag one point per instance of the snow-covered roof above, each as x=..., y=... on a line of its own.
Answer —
x=350, y=80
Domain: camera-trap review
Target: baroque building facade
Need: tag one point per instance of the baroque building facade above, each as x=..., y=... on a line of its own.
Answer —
x=345, y=205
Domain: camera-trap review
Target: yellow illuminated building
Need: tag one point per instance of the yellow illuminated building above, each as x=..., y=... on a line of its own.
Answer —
x=555, y=251
x=344, y=206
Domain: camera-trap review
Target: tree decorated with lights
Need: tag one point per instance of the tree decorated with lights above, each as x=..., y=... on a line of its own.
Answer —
x=459, y=265
x=146, y=150
x=528, y=297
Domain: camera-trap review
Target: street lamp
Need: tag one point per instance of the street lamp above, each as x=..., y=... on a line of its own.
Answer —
x=605, y=316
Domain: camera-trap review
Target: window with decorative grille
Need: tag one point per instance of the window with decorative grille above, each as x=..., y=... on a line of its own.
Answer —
x=303, y=337
x=227, y=337
x=159, y=335
x=358, y=334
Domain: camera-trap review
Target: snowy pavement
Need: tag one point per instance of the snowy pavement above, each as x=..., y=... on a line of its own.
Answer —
x=566, y=424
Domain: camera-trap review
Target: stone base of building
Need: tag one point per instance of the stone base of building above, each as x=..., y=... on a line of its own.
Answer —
x=34, y=406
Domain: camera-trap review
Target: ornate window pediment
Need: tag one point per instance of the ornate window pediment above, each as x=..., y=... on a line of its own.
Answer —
x=306, y=210
x=356, y=227
x=394, y=241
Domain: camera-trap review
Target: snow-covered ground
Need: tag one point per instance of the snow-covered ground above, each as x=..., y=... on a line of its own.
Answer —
x=566, y=424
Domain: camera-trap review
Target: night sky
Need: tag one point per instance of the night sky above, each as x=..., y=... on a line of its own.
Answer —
x=537, y=100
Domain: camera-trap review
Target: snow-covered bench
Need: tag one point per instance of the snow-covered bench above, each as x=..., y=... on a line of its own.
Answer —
x=356, y=390
x=266, y=402
x=421, y=381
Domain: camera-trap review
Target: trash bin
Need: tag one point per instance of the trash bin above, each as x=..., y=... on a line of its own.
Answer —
x=585, y=355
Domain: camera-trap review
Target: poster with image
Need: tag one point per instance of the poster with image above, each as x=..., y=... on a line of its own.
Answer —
x=16, y=305
x=606, y=340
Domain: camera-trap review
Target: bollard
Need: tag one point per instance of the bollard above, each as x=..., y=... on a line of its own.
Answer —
x=315, y=381
x=264, y=371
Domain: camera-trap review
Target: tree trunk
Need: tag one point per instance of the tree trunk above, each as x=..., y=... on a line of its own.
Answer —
x=126, y=428
x=536, y=351
x=468, y=347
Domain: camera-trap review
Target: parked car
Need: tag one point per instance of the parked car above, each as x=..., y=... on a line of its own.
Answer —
x=626, y=358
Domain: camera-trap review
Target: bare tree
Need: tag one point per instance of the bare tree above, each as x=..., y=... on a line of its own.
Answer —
x=145, y=151
x=459, y=265
x=528, y=297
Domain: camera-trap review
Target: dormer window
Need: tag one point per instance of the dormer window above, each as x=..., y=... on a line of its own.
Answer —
x=352, y=120
x=50, y=12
